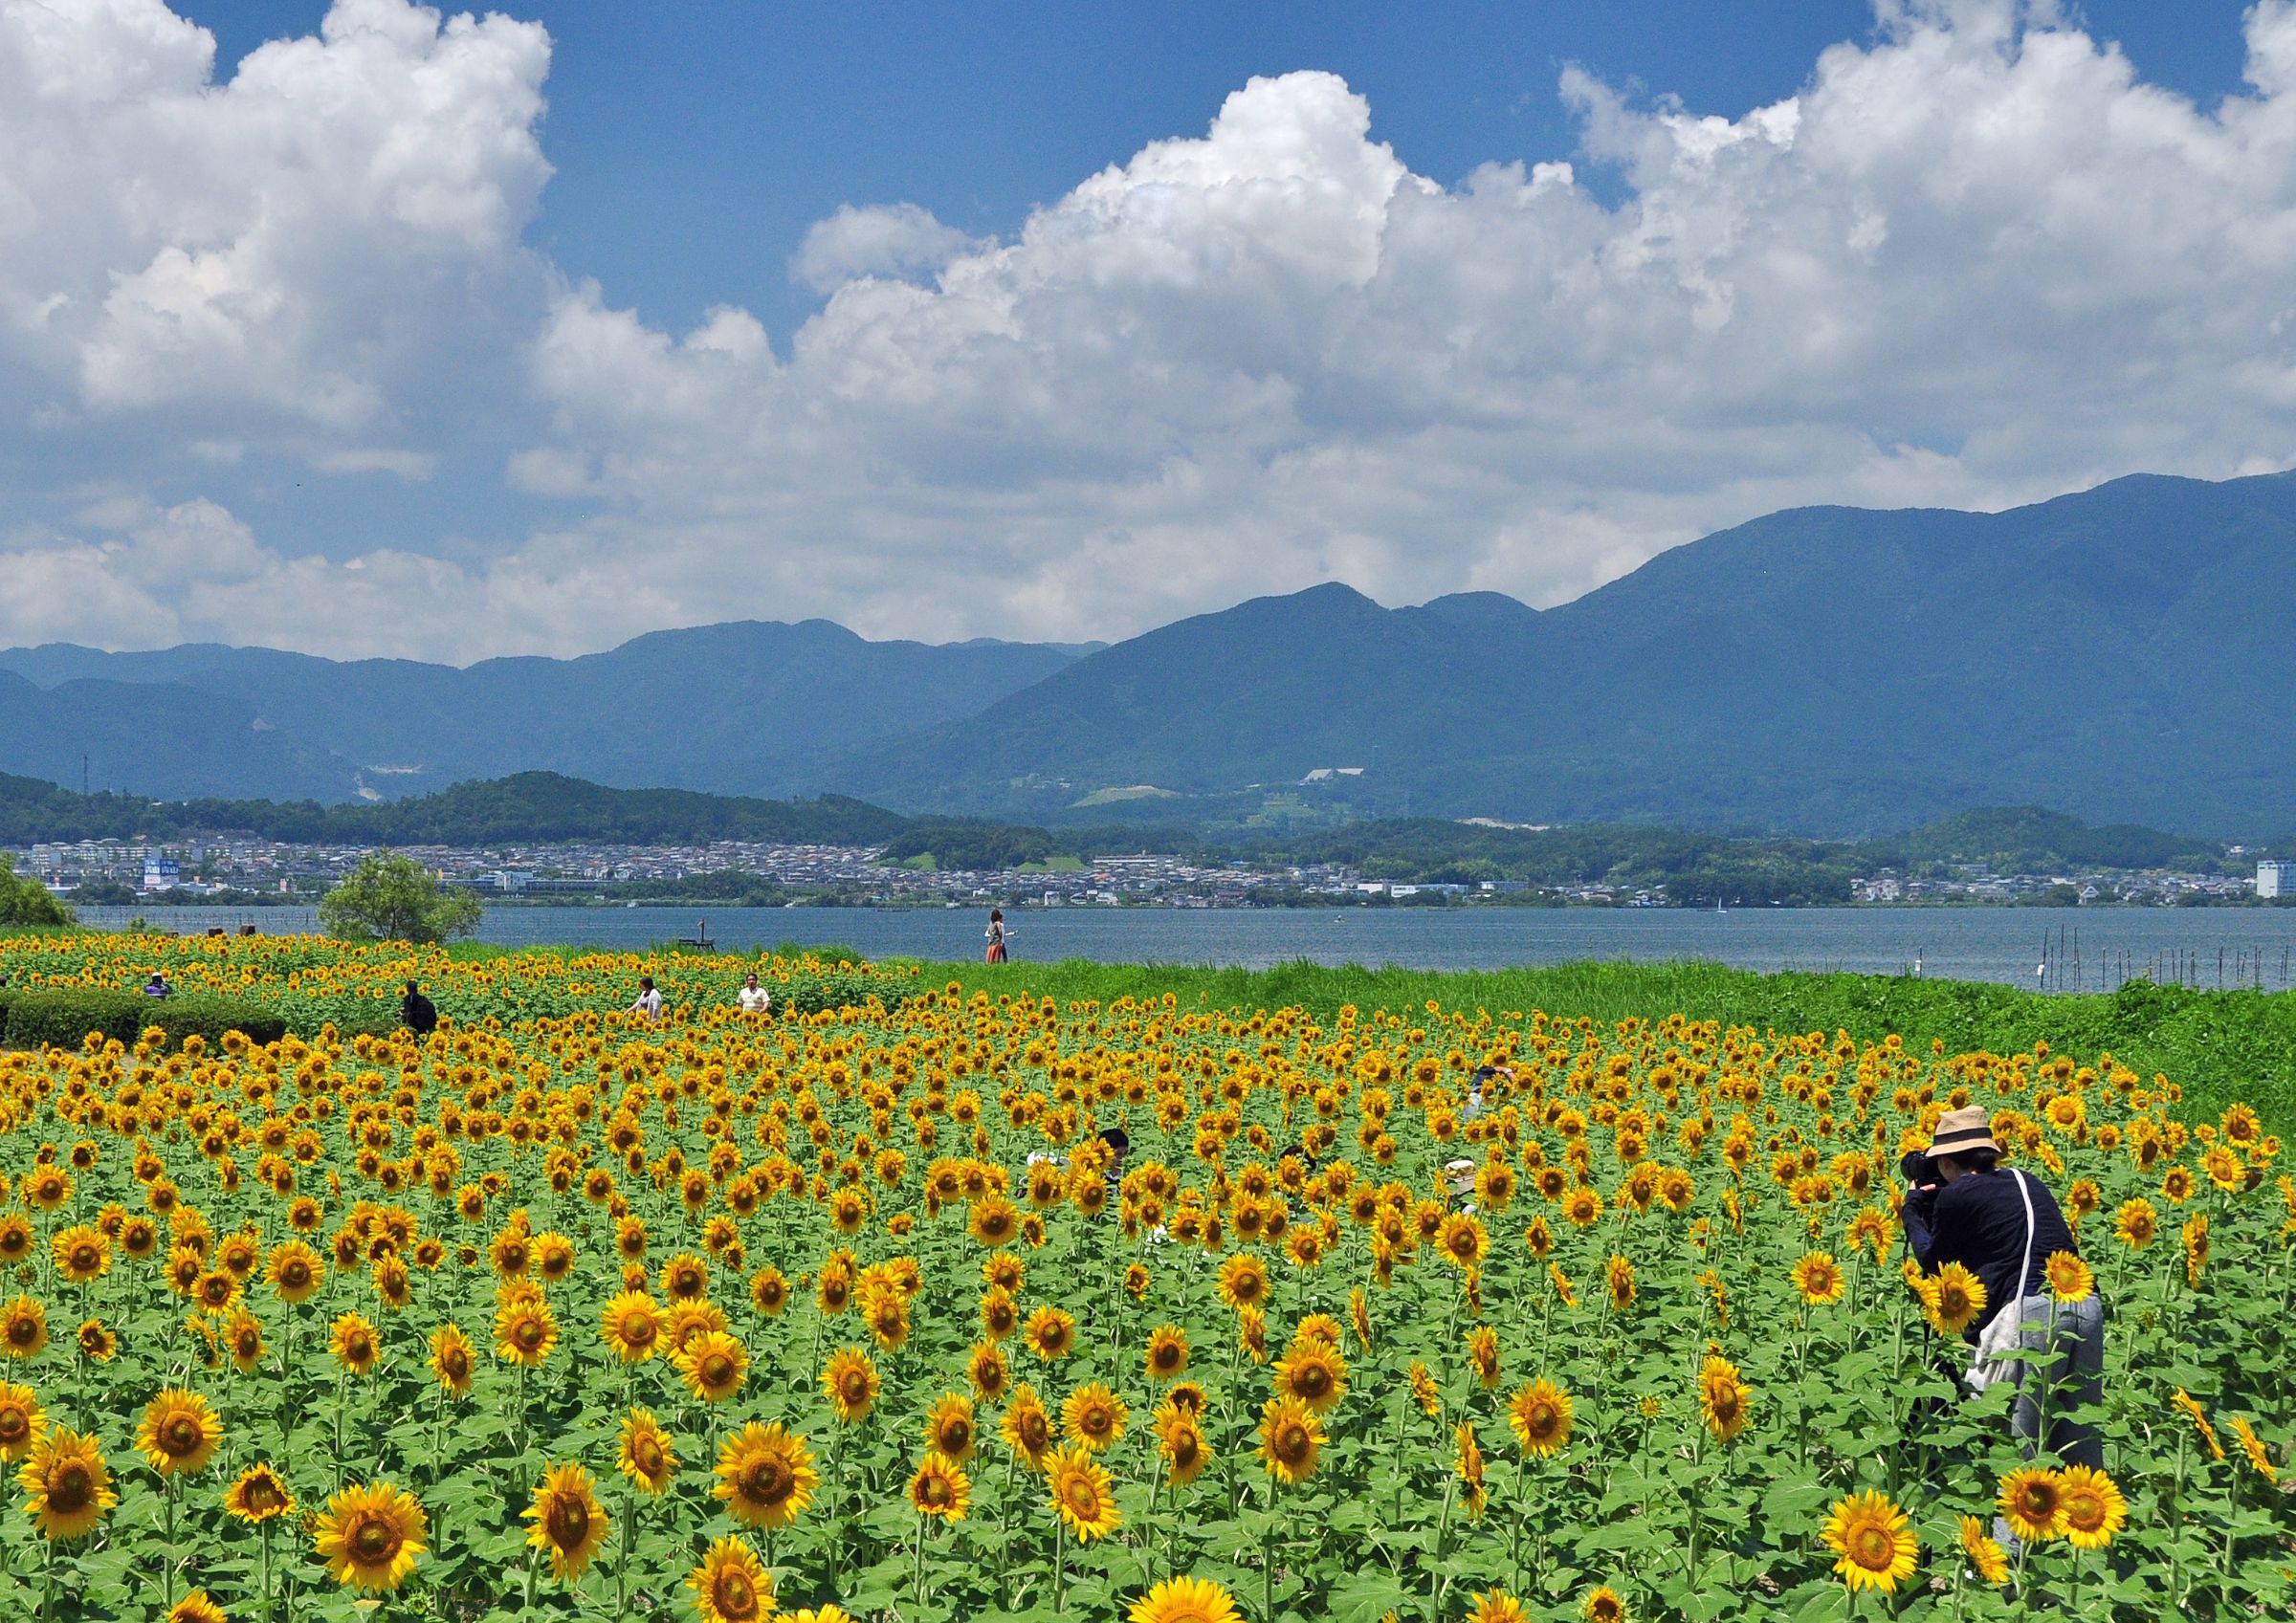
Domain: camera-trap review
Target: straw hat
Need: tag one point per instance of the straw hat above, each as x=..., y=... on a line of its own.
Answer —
x=1459, y=1176
x=1961, y=1131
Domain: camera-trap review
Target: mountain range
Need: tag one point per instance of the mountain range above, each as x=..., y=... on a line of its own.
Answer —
x=2119, y=654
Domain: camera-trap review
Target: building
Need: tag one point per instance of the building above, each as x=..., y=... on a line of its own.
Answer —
x=161, y=873
x=2275, y=880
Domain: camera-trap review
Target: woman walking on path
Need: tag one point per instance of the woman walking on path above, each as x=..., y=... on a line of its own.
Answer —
x=996, y=935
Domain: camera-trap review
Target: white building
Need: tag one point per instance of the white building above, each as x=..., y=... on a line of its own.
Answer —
x=2275, y=879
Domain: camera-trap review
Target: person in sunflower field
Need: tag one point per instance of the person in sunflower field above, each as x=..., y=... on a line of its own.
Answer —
x=2002, y=1224
x=997, y=934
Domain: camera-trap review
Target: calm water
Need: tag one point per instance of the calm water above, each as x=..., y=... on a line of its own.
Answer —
x=2000, y=944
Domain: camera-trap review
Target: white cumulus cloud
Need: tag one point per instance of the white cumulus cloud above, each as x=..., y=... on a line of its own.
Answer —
x=1976, y=258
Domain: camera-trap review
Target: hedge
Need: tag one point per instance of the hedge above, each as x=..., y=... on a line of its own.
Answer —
x=36, y=1018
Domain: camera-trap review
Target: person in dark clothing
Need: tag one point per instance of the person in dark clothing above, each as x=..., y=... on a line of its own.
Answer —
x=2002, y=1224
x=420, y=1014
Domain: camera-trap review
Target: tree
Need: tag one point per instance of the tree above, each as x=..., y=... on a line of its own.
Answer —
x=392, y=898
x=27, y=901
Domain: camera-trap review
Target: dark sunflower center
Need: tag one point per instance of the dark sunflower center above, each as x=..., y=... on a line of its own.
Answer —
x=1313, y=1381
x=767, y=1481
x=374, y=1541
x=568, y=1523
x=648, y=1453
x=23, y=1330
x=1872, y=1547
x=716, y=1370
x=733, y=1595
x=182, y=1435
x=1083, y=1499
x=71, y=1488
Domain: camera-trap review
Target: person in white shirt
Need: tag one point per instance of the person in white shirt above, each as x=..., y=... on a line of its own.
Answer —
x=754, y=999
x=650, y=1000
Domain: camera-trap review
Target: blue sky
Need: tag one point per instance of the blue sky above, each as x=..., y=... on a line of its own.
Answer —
x=366, y=328
x=695, y=142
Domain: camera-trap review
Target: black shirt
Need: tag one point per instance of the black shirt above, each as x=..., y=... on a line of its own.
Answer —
x=420, y=1014
x=1978, y=1221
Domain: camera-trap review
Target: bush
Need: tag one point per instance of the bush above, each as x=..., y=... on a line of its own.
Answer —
x=63, y=1019
x=811, y=994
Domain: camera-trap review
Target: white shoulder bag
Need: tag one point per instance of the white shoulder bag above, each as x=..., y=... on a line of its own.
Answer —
x=2004, y=1332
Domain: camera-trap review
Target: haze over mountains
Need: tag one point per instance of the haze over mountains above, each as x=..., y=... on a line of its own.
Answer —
x=2124, y=654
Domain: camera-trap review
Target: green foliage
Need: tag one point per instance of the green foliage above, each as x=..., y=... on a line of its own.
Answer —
x=31, y=1019
x=27, y=901
x=2218, y=1047
x=391, y=897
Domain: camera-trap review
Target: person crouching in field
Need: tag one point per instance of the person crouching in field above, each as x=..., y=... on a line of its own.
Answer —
x=2003, y=1225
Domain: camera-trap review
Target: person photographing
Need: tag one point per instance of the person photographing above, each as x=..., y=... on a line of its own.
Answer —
x=2002, y=1224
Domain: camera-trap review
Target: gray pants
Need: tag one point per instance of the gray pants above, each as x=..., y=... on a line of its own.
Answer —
x=2073, y=1376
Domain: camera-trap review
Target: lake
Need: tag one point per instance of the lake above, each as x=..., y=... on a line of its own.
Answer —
x=2106, y=945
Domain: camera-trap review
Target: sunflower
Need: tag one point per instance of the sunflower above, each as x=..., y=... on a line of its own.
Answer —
x=769, y=1291
x=1167, y=1355
x=1540, y=1415
x=295, y=1271
x=1602, y=1604
x=1424, y=1391
x=1618, y=1283
x=1583, y=1207
x=1290, y=1437
x=1818, y=1279
x=2136, y=1223
x=196, y=1607
x=1051, y=1333
x=97, y=1345
x=988, y=1372
x=940, y=1487
x=2093, y=1509
x=1986, y=1558
x=1093, y=1417
x=1483, y=1352
x=631, y=1326
x=645, y=1455
x=2070, y=1278
x=731, y=1584
x=259, y=1495
x=1497, y=1606
x=525, y=1330
x=68, y=1485
x=713, y=1365
x=950, y=1429
x=2032, y=1500
x=24, y=1328
x=452, y=1359
x=1181, y=1441
x=180, y=1432
x=353, y=1341
x=1725, y=1402
x=568, y=1520
x=1955, y=1299
x=1876, y=1545
x=81, y=1253
x=2259, y=1457
x=1243, y=1280
x=1082, y=1494
x=1026, y=1429
x=1461, y=1241
x=1185, y=1600
x=849, y=1381
x=2193, y=1411
x=765, y=1475
x=21, y=1420
x=1315, y=1374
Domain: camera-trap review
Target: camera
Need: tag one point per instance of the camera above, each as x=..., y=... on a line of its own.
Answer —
x=1917, y=1168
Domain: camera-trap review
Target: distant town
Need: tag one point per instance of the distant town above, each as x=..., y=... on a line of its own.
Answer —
x=240, y=870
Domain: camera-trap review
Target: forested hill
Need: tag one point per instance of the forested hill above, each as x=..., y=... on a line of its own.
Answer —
x=528, y=807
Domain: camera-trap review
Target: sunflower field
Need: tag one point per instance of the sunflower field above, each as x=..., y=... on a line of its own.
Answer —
x=919, y=1303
